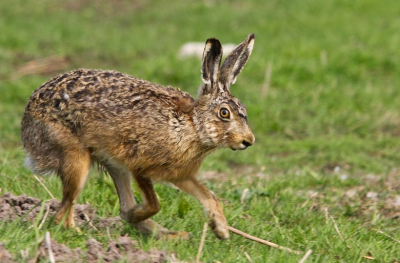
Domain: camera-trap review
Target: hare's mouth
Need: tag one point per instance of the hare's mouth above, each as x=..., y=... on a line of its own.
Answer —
x=240, y=149
x=242, y=146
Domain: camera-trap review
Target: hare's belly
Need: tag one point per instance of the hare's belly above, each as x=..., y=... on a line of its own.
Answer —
x=157, y=169
x=172, y=173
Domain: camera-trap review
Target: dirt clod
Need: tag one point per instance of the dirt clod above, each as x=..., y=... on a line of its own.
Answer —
x=27, y=209
x=5, y=256
x=61, y=253
x=122, y=249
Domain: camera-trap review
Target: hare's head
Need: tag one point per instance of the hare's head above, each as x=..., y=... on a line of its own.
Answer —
x=221, y=118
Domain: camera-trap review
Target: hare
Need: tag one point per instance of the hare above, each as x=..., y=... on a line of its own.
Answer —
x=137, y=129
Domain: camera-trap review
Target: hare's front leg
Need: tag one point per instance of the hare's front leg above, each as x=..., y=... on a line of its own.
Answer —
x=122, y=179
x=211, y=204
x=150, y=205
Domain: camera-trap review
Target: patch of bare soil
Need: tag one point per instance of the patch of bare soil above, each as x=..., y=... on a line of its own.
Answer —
x=122, y=249
x=27, y=208
x=378, y=195
x=5, y=256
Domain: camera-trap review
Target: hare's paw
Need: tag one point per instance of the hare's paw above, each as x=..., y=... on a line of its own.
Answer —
x=219, y=228
x=66, y=219
x=149, y=227
x=171, y=235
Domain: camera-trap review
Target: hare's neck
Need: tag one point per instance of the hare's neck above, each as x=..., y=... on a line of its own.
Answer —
x=205, y=139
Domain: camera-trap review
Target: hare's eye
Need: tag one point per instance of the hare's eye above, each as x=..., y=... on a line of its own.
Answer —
x=224, y=113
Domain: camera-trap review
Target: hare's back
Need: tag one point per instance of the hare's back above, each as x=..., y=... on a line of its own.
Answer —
x=83, y=95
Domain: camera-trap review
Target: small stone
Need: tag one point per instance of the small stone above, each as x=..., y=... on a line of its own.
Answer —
x=372, y=195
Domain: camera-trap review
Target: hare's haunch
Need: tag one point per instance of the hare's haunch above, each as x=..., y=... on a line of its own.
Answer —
x=137, y=129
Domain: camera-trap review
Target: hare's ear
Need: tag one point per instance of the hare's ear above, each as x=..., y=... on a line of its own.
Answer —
x=210, y=65
x=235, y=62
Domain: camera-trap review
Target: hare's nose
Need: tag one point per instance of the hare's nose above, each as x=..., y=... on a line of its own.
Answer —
x=249, y=139
x=246, y=143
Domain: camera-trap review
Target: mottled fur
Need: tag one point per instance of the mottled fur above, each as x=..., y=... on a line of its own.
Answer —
x=136, y=129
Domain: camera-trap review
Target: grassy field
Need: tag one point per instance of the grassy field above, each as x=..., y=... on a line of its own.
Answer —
x=324, y=173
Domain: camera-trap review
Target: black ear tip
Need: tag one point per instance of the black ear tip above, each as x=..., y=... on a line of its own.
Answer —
x=213, y=41
x=214, y=46
x=251, y=36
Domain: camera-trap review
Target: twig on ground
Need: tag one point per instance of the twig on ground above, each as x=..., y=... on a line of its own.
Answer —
x=48, y=191
x=45, y=216
x=203, y=238
x=248, y=257
x=262, y=241
x=306, y=255
x=48, y=244
x=383, y=233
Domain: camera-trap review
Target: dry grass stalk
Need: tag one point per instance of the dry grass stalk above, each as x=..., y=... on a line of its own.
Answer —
x=368, y=257
x=48, y=244
x=336, y=226
x=108, y=233
x=306, y=255
x=41, y=66
x=267, y=82
x=262, y=241
x=248, y=257
x=90, y=221
x=326, y=215
x=203, y=238
x=308, y=200
x=45, y=216
x=48, y=191
x=245, y=191
x=383, y=233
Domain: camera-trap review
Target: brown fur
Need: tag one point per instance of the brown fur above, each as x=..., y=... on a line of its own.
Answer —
x=136, y=129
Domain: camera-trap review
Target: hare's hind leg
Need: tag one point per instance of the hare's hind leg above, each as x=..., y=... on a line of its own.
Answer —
x=211, y=204
x=122, y=179
x=73, y=172
x=54, y=148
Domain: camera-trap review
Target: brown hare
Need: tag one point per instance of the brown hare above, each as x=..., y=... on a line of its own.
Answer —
x=137, y=129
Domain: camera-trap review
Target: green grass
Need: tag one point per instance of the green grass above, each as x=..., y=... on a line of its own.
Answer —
x=333, y=101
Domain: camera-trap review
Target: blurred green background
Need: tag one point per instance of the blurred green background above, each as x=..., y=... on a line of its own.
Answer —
x=321, y=87
x=332, y=98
